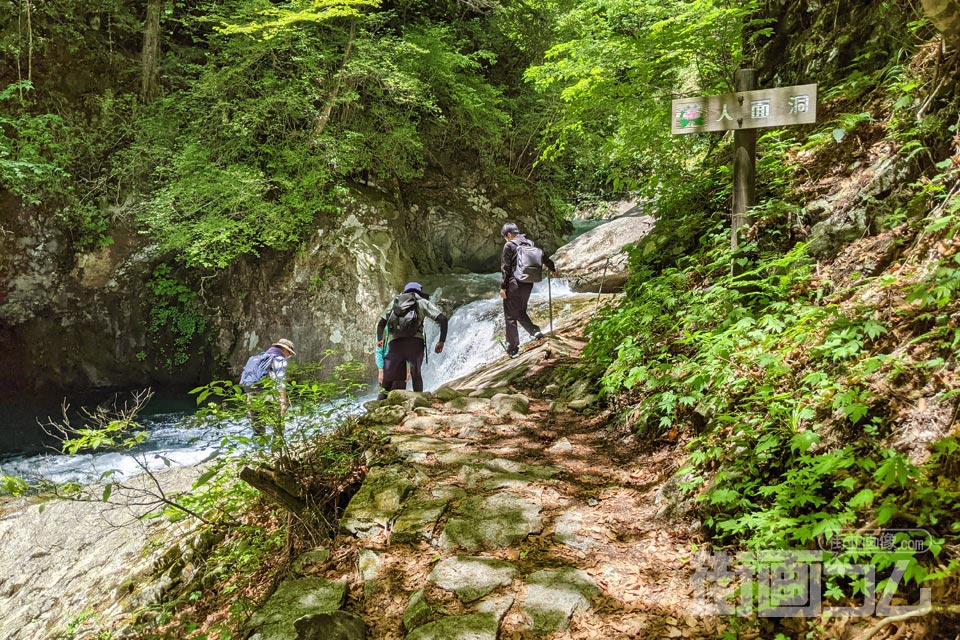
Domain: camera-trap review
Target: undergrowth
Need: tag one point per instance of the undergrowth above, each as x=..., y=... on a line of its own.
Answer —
x=815, y=401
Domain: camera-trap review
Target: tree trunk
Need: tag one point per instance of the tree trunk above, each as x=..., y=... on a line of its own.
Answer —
x=337, y=84
x=945, y=16
x=270, y=485
x=151, y=50
x=29, y=44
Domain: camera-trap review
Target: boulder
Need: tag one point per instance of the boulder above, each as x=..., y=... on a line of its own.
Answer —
x=508, y=405
x=499, y=520
x=338, y=625
x=418, y=519
x=409, y=400
x=309, y=559
x=553, y=596
x=471, y=578
x=384, y=416
x=598, y=257
x=377, y=502
x=446, y=393
x=293, y=600
x=475, y=626
x=418, y=611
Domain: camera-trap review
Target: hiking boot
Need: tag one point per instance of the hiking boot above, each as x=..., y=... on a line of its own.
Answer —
x=513, y=353
x=538, y=336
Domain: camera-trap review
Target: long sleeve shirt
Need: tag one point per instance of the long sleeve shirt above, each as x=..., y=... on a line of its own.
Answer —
x=427, y=309
x=508, y=261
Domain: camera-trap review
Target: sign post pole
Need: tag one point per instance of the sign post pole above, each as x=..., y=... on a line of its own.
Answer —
x=744, y=112
x=744, y=165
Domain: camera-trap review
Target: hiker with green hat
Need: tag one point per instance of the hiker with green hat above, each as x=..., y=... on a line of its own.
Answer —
x=402, y=325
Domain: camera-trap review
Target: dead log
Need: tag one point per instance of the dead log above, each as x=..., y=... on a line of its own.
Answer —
x=266, y=482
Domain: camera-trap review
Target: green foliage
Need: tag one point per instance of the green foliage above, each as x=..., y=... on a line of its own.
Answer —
x=613, y=73
x=119, y=434
x=275, y=20
x=12, y=485
x=30, y=149
x=778, y=381
x=292, y=105
x=176, y=313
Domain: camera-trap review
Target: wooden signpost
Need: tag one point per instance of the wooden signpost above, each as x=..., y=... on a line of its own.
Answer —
x=743, y=112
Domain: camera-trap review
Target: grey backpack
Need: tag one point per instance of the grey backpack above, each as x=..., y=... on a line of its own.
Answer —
x=529, y=261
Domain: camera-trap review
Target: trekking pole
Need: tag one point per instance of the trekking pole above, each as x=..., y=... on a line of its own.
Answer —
x=602, y=278
x=550, y=303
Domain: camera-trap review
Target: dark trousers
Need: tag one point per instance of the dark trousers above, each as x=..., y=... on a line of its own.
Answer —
x=515, y=310
x=403, y=352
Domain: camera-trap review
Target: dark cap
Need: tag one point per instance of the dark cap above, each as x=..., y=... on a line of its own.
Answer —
x=509, y=228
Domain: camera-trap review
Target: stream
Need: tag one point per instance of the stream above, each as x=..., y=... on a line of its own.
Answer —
x=476, y=319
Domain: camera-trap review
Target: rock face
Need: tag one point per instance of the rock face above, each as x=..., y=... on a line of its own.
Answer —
x=62, y=562
x=80, y=322
x=584, y=262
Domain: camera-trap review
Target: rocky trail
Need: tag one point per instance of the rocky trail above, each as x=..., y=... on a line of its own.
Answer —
x=502, y=514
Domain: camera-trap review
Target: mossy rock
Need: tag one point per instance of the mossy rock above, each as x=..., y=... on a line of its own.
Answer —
x=292, y=600
x=418, y=611
x=476, y=626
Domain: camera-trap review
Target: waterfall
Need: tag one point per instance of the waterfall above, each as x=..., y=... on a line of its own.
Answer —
x=475, y=326
x=475, y=311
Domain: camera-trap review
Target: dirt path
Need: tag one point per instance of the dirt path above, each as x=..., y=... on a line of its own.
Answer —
x=503, y=516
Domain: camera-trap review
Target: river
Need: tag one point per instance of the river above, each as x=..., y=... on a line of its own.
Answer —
x=476, y=320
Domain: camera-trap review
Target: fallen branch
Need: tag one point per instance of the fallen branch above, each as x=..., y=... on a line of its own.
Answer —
x=876, y=628
x=265, y=482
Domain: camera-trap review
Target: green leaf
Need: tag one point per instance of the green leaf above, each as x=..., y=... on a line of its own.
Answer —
x=723, y=496
x=107, y=490
x=838, y=134
x=205, y=477
x=863, y=499
x=802, y=441
x=886, y=512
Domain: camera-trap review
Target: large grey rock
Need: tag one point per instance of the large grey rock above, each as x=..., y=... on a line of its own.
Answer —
x=582, y=261
x=369, y=563
x=466, y=403
x=293, y=600
x=490, y=522
x=418, y=519
x=569, y=529
x=498, y=606
x=500, y=473
x=409, y=400
x=378, y=501
x=71, y=556
x=582, y=402
x=507, y=405
x=418, y=611
x=476, y=626
x=417, y=447
x=489, y=392
x=838, y=226
x=447, y=393
x=385, y=415
x=338, y=625
x=471, y=578
x=553, y=597
x=461, y=421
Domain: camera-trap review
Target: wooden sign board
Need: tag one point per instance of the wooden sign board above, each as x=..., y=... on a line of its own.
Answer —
x=746, y=110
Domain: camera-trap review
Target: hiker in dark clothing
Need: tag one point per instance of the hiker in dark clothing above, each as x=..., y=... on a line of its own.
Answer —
x=516, y=294
x=407, y=343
